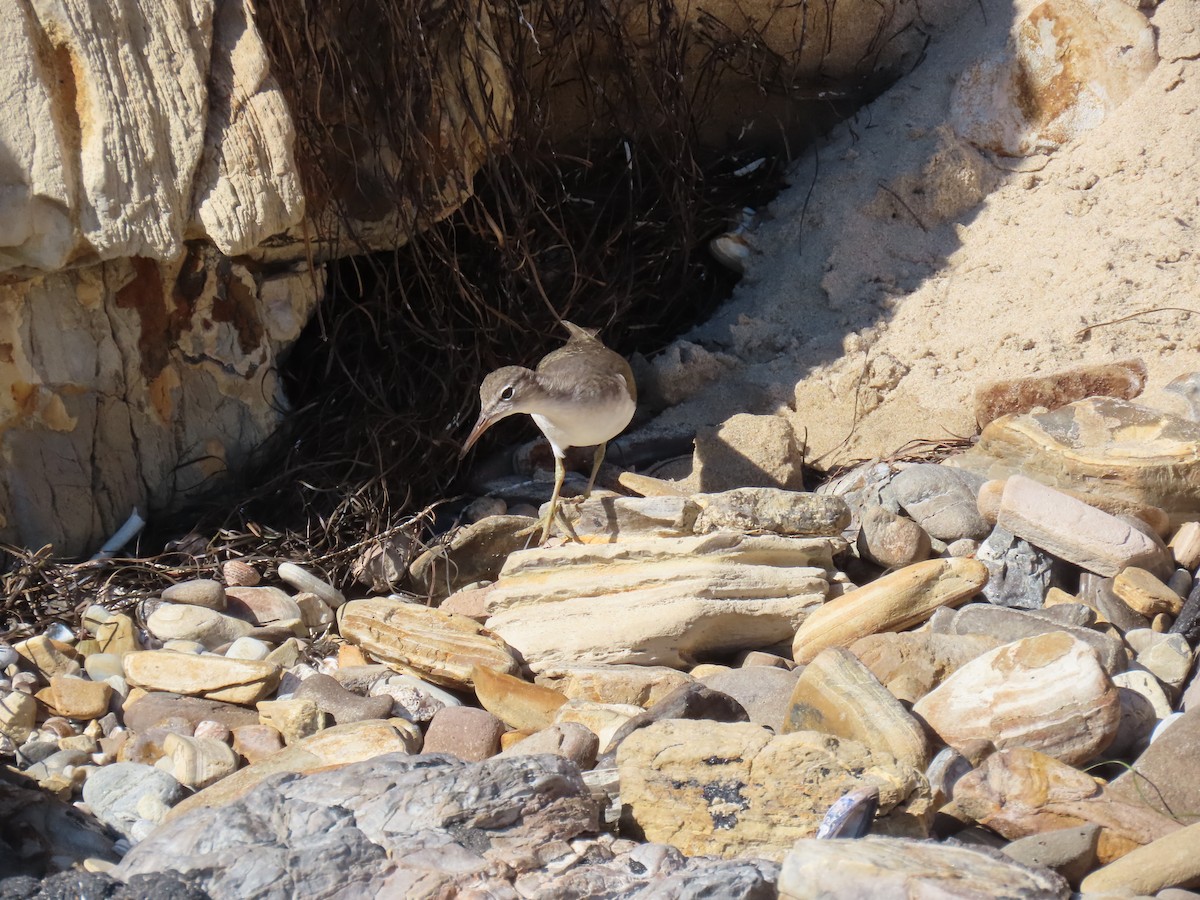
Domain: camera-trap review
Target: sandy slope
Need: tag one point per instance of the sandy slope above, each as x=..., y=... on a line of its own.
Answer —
x=869, y=321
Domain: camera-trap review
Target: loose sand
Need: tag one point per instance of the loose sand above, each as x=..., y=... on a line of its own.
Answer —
x=902, y=268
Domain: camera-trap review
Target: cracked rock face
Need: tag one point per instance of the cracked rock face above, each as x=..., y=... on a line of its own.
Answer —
x=145, y=148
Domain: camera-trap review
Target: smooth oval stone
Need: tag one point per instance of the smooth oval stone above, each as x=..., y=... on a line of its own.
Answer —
x=214, y=677
x=1046, y=692
x=941, y=500
x=211, y=629
x=892, y=603
x=197, y=592
x=113, y=792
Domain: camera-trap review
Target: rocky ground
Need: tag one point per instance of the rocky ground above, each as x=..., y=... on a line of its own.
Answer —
x=964, y=675
x=972, y=677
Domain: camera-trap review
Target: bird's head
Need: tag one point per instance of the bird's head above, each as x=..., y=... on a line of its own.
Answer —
x=505, y=392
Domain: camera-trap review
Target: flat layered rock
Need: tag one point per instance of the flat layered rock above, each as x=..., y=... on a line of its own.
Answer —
x=892, y=603
x=439, y=646
x=897, y=867
x=241, y=681
x=734, y=789
x=773, y=510
x=1047, y=692
x=1072, y=530
x=663, y=602
x=336, y=746
x=1099, y=446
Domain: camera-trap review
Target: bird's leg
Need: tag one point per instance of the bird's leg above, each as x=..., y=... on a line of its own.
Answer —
x=596, y=460
x=546, y=521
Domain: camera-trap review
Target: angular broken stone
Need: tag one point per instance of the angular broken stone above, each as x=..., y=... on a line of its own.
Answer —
x=76, y=698
x=892, y=603
x=836, y=694
x=471, y=554
x=1018, y=573
x=911, y=664
x=1185, y=545
x=1047, y=692
x=748, y=450
x=516, y=702
x=1145, y=594
x=630, y=685
x=439, y=646
x=197, y=762
x=613, y=518
x=765, y=692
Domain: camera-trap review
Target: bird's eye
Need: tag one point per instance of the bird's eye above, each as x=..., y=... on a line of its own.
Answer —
x=507, y=393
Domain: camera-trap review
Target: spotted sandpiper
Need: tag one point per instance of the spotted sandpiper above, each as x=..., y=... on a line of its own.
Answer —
x=580, y=395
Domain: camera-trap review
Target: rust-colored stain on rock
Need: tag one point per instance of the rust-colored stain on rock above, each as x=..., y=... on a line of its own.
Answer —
x=1043, y=650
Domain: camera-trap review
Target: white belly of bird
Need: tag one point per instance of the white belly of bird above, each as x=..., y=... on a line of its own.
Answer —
x=581, y=425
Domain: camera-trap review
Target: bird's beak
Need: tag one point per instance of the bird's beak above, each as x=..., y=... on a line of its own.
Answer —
x=482, y=424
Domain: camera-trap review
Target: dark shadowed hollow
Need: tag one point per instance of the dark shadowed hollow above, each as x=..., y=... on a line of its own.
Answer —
x=617, y=147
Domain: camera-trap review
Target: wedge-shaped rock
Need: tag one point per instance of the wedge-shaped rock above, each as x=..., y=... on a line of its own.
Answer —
x=898, y=867
x=911, y=664
x=336, y=746
x=1072, y=530
x=892, y=603
x=734, y=789
x=241, y=681
x=657, y=601
x=1102, y=446
x=441, y=647
x=637, y=685
x=838, y=695
x=1020, y=792
x=197, y=762
x=1047, y=692
x=517, y=703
